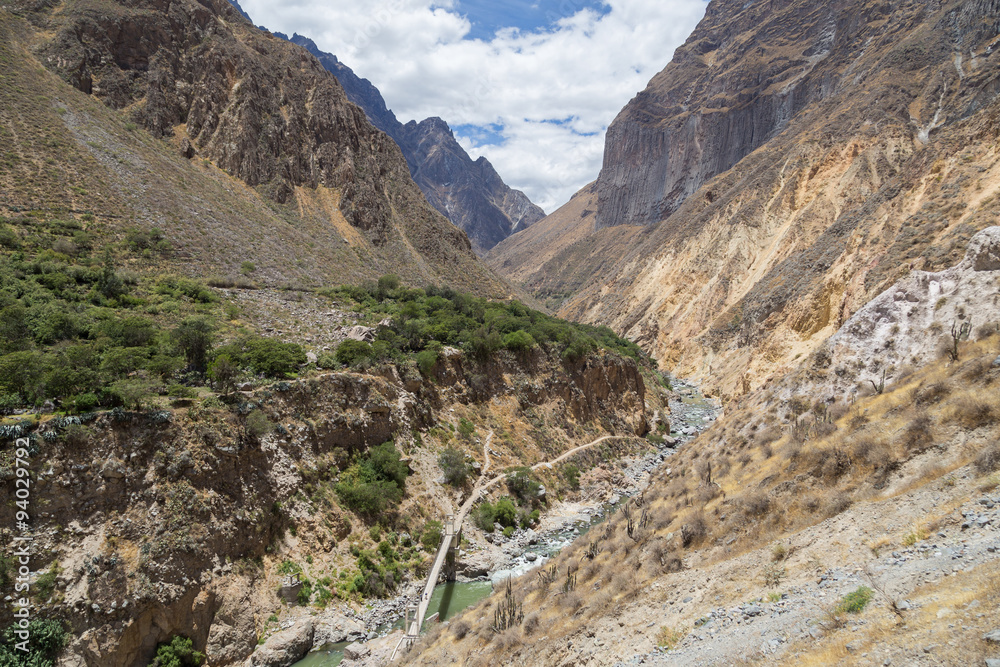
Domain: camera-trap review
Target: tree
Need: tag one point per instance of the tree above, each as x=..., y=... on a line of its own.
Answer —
x=224, y=372
x=194, y=337
x=386, y=284
x=523, y=485
x=134, y=392
x=453, y=464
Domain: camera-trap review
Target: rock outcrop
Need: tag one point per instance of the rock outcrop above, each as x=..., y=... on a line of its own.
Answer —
x=468, y=192
x=910, y=324
x=285, y=648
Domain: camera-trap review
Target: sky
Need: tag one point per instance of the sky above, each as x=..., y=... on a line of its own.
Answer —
x=530, y=84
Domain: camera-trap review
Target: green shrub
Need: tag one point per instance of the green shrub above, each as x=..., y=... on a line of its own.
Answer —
x=521, y=482
x=466, y=428
x=508, y=531
x=305, y=593
x=518, y=341
x=134, y=393
x=85, y=402
x=571, y=472
x=45, y=585
x=258, y=424
x=855, y=601
x=46, y=639
x=430, y=536
x=272, y=358
x=485, y=516
x=289, y=567
x=505, y=512
x=352, y=351
x=426, y=360
x=375, y=482
x=453, y=464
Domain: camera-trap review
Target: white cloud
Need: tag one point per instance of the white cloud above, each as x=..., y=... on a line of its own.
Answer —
x=584, y=70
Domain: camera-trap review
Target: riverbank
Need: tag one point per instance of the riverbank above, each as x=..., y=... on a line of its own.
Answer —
x=489, y=557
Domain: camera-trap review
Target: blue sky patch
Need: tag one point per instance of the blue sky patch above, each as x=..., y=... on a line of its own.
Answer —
x=481, y=135
x=488, y=16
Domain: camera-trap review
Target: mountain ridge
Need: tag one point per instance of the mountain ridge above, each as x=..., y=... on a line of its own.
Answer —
x=468, y=192
x=212, y=110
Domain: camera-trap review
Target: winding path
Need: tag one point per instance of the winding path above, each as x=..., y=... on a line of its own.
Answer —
x=453, y=528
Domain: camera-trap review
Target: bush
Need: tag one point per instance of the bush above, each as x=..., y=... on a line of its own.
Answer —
x=484, y=516
x=508, y=531
x=258, y=424
x=375, y=483
x=855, y=601
x=988, y=460
x=134, y=393
x=523, y=485
x=505, y=512
x=426, y=360
x=430, y=537
x=453, y=464
x=466, y=428
x=518, y=341
x=351, y=351
x=272, y=358
x=571, y=472
x=46, y=640
x=85, y=402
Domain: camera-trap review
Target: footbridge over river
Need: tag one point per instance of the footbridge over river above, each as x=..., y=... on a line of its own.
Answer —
x=451, y=540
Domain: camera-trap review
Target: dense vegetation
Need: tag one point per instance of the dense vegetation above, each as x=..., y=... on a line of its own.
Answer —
x=422, y=321
x=46, y=640
x=375, y=482
x=76, y=330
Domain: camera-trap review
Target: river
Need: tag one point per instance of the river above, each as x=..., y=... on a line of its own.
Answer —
x=690, y=413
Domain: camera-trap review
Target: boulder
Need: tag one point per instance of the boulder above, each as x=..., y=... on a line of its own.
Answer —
x=984, y=250
x=358, y=332
x=285, y=648
x=356, y=651
x=335, y=628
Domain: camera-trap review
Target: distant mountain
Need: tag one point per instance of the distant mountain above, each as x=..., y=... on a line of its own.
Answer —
x=468, y=192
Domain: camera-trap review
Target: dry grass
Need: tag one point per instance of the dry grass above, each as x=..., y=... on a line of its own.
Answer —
x=942, y=619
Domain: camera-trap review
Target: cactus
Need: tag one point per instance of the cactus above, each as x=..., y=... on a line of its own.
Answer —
x=509, y=611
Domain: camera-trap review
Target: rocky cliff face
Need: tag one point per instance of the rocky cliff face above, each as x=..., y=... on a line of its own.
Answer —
x=206, y=84
x=793, y=161
x=173, y=522
x=468, y=192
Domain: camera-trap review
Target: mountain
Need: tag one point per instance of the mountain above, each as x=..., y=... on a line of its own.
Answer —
x=468, y=192
x=239, y=146
x=789, y=163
